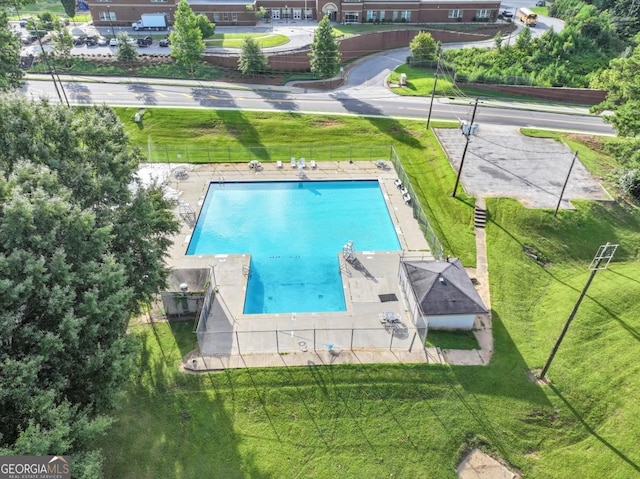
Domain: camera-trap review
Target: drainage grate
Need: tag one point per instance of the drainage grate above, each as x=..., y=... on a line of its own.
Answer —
x=385, y=298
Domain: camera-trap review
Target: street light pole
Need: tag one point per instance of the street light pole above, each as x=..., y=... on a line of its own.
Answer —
x=600, y=261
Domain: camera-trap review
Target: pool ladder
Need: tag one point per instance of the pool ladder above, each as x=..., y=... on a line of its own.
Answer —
x=344, y=269
x=246, y=271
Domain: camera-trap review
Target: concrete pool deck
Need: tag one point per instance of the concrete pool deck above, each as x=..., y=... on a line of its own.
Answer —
x=236, y=340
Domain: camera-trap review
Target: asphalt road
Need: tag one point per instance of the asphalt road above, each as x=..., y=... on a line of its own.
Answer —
x=352, y=100
x=364, y=93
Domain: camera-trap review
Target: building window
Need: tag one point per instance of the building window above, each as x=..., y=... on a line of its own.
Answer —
x=455, y=13
x=107, y=16
x=225, y=17
x=406, y=16
x=484, y=13
x=394, y=17
x=234, y=17
x=216, y=17
x=351, y=17
x=372, y=15
x=158, y=1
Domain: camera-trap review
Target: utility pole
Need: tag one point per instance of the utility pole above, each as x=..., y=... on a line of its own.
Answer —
x=51, y=69
x=600, y=261
x=433, y=94
x=573, y=161
x=466, y=145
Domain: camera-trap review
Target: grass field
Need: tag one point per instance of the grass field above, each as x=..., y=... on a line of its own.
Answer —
x=420, y=83
x=235, y=40
x=375, y=421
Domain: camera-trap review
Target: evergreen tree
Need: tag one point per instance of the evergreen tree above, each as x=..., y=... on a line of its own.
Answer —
x=126, y=52
x=325, y=56
x=62, y=43
x=251, y=60
x=187, y=46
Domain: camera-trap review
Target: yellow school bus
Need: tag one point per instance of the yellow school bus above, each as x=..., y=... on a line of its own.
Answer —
x=528, y=17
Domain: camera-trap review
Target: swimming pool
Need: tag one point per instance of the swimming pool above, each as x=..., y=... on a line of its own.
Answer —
x=294, y=231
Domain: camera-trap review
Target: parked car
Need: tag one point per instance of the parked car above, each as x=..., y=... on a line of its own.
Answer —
x=145, y=41
x=506, y=14
x=91, y=41
x=27, y=39
x=79, y=40
x=103, y=41
x=113, y=42
x=541, y=3
x=165, y=42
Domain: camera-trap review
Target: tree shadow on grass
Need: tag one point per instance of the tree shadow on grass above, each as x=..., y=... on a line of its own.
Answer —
x=241, y=128
x=592, y=431
x=183, y=333
x=506, y=373
x=175, y=424
x=374, y=115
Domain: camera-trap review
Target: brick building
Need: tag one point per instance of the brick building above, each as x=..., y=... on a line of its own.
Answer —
x=242, y=12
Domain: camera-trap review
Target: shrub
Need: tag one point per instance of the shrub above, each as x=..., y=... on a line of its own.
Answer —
x=629, y=181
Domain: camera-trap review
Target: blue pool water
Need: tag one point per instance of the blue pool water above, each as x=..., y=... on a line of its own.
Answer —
x=294, y=232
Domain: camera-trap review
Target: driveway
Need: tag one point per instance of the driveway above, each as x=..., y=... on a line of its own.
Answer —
x=502, y=162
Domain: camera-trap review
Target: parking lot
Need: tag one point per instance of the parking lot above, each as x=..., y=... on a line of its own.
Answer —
x=502, y=162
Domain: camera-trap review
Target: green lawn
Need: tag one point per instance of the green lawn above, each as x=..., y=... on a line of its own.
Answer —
x=235, y=40
x=420, y=83
x=373, y=421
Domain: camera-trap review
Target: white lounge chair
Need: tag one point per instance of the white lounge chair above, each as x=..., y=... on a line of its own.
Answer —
x=279, y=164
x=398, y=183
x=302, y=163
x=381, y=164
x=313, y=165
x=294, y=164
x=407, y=198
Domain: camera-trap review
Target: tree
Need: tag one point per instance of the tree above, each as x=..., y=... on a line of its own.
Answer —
x=79, y=251
x=325, y=56
x=126, y=52
x=187, y=46
x=622, y=83
x=207, y=28
x=69, y=7
x=523, y=40
x=10, y=72
x=497, y=40
x=62, y=43
x=251, y=60
x=424, y=47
